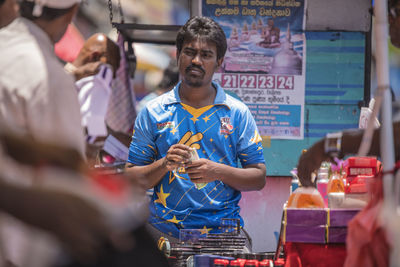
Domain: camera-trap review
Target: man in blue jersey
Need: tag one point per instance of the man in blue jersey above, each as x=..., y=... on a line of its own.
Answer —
x=196, y=115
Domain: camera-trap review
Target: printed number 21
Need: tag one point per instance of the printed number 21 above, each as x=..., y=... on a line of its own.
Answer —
x=229, y=81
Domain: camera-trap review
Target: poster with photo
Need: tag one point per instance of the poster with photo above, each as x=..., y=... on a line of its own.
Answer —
x=265, y=61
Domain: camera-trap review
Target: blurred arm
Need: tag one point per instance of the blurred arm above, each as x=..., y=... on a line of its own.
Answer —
x=351, y=140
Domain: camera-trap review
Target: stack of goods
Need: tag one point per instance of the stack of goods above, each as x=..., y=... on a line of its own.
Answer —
x=320, y=226
x=360, y=171
x=344, y=185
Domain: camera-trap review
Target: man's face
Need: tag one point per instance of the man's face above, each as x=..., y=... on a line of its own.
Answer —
x=197, y=62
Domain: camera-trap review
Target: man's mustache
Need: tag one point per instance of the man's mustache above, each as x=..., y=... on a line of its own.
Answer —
x=193, y=67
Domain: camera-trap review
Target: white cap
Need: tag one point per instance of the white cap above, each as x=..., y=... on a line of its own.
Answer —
x=58, y=4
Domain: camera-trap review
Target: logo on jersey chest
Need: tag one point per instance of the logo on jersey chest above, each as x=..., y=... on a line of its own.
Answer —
x=226, y=126
x=164, y=125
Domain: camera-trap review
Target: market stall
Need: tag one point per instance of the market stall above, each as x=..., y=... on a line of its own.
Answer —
x=331, y=47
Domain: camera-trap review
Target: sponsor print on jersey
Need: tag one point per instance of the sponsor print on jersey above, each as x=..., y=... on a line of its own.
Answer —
x=164, y=125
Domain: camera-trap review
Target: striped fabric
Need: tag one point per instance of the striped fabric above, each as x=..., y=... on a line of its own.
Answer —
x=121, y=113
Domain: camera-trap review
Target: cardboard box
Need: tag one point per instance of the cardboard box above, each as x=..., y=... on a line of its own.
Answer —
x=336, y=234
x=319, y=226
x=308, y=217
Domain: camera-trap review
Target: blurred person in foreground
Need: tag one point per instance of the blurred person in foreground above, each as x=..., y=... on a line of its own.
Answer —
x=169, y=79
x=196, y=115
x=41, y=181
x=350, y=140
x=38, y=100
x=95, y=69
x=98, y=220
x=77, y=224
x=37, y=97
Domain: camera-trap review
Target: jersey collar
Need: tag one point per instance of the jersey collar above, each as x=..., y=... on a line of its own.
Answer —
x=172, y=96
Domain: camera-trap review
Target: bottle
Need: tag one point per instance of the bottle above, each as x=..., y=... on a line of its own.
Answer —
x=235, y=263
x=266, y=263
x=322, y=183
x=335, y=184
x=251, y=263
x=295, y=180
x=305, y=197
x=221, y=262
x=335, y=188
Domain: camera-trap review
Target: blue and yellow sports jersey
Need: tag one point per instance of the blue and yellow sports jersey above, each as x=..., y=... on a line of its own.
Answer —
x=224, y=132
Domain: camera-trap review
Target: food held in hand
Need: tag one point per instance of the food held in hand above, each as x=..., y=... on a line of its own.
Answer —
x=194, y=156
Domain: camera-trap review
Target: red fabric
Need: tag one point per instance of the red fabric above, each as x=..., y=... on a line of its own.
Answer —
x=367, y=245
x=70, y=44
x=314, y=255
x=114, y=188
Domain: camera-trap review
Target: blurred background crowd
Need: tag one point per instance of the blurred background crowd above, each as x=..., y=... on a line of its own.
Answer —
x=152, y=59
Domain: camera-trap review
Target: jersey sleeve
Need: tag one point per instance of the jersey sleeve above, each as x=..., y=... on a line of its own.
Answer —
x=250, y=150
x=142, y=148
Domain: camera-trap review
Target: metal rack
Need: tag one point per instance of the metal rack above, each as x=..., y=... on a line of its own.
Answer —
x=148, y=33
x=153, y=33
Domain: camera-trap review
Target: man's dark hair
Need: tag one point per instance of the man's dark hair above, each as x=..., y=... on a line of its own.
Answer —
x=202, y=27
x=26, y=10
x=2, y=2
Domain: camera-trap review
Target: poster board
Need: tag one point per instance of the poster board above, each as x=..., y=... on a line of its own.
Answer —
x=335, y=80
x=265, y=61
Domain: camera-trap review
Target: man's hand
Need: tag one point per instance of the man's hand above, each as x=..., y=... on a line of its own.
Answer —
x=178, y=155
x=202, y=171
x=148, y=176
x=86, y=70
x=310, y=161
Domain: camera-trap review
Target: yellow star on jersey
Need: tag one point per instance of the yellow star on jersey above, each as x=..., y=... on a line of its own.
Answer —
x=206, y=118
x=194, y=119
x=173, y=175
x=256, y=138
x=162, y=197
x=205, y=230
x=174, y=220
x=173, y=131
